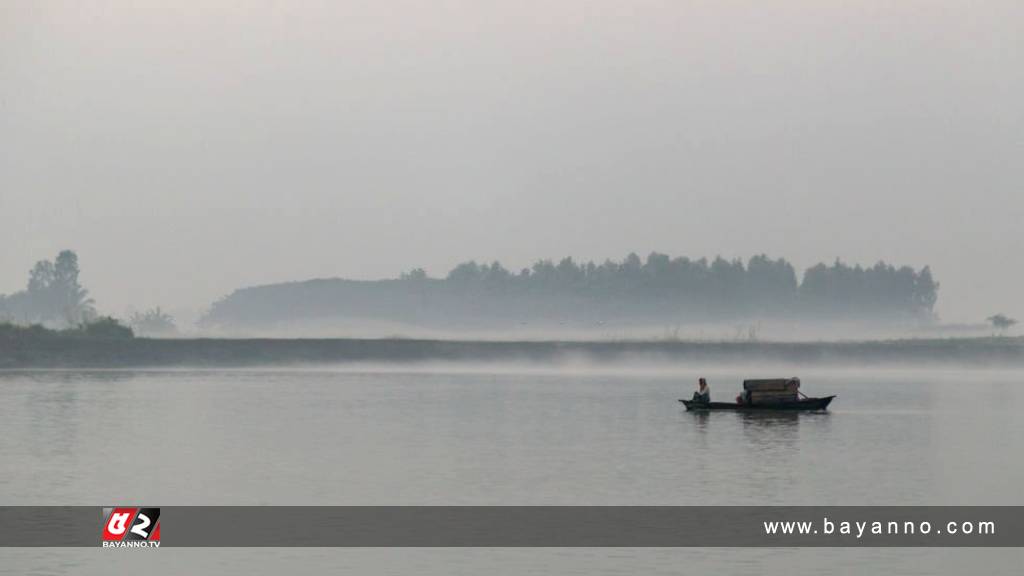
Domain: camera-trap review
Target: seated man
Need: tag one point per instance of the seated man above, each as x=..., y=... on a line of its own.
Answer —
x=703, y=393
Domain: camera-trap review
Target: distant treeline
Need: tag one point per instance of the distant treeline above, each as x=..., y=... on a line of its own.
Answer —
x=660, y=290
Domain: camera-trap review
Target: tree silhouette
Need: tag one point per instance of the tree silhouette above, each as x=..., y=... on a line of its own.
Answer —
x=153, y=322
x=53, y=295
x=1001, y=322
x=72, y=299
x=658, y=289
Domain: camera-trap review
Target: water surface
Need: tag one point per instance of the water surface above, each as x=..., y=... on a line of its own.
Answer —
x=332, y=437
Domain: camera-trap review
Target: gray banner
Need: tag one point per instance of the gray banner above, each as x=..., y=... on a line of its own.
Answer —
x=536, y=526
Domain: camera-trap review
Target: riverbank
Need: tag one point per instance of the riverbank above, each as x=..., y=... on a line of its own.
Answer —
x=65, y=351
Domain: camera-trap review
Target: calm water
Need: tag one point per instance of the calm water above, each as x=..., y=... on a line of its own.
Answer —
x=322, y=437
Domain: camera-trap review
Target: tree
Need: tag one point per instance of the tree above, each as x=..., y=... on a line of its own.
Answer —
x=72, y=299
x=153, y=322
x=1001, y=322
x=926, y=290
x=40, y=277
x=53, y=295
x=415, y=275
x=465, y=273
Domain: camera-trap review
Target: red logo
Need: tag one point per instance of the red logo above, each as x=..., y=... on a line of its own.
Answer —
x=131, y=527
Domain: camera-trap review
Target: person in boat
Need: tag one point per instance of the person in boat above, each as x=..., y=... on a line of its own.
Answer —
x=703, y=393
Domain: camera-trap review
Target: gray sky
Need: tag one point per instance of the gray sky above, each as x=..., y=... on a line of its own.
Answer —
x=188, y=148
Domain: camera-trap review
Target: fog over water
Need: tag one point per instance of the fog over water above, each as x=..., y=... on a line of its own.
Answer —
x=189, y=149
x=726, y=189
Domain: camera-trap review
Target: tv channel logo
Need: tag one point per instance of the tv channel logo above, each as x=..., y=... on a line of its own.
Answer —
x=131, y=527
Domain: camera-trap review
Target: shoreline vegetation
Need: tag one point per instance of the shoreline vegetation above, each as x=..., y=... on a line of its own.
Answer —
x=589, y=296
x=53, y=323
x=105, y=344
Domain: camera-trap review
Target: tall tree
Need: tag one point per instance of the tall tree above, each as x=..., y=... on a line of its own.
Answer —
x=53, y=294
x=73, y=300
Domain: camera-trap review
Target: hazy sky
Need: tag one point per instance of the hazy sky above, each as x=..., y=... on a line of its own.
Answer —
x=188, y=148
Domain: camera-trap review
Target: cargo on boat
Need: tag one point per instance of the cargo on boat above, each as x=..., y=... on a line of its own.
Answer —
x=772, y=385
x=771, y=391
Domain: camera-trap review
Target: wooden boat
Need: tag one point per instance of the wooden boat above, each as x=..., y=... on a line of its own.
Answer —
x=801, y=404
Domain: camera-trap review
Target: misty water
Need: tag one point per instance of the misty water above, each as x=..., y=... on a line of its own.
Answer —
x=507, y=436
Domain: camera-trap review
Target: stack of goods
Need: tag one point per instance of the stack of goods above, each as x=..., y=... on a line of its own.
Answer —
x=771, y=391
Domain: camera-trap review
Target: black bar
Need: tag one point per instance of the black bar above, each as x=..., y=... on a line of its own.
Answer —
x=523, y=526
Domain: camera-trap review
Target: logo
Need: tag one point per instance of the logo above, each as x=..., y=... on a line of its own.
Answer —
x=131, y=527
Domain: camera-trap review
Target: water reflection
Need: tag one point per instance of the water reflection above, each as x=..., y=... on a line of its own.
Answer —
x=701, y=418
x=770, y=429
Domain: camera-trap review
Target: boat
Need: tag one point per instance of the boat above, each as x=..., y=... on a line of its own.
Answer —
x=801, y=404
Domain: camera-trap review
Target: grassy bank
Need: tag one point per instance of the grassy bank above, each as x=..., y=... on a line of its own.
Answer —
x=34, y=348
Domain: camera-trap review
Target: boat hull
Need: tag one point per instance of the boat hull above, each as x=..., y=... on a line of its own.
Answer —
x=803, y=404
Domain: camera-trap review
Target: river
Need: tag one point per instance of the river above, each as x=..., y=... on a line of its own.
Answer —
x=461, y=435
